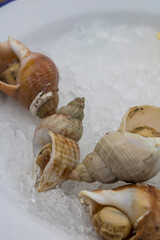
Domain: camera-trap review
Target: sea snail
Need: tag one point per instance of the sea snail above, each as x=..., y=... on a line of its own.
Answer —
x=131, y=212
x=55, y=145
x=130, y=154
x=29, y=77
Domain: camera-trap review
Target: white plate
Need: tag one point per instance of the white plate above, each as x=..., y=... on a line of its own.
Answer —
x=38, y=24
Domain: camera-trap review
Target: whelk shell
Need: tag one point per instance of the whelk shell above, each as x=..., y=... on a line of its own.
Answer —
x=130, y=212
x=131, y=154
x=29, y=77
x=55, y=145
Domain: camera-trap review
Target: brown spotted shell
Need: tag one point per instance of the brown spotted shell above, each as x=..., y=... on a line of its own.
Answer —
x=36, y=83
x=131, y=209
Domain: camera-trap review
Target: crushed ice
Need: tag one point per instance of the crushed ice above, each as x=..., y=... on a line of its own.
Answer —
x=114, y=67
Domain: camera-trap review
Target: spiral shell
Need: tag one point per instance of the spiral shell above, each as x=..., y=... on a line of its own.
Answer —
x=130, y=212
x=55, y=145
x=131, y=154
x=29, y=77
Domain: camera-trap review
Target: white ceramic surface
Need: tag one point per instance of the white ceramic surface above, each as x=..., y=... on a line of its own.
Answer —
x=31, y=21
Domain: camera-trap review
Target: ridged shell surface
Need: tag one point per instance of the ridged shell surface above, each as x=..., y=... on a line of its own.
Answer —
x=74, y=109
x=130, y=154
x=37, y=79
x=62, y=124
x=131, y=158
x=55, y=141
x=64, y=157
x=38, y=74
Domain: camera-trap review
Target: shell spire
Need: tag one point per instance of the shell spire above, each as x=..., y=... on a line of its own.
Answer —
x=74, y=109
x=31, y=78
x=55, y=145
x=131, y=154
x=131, y=212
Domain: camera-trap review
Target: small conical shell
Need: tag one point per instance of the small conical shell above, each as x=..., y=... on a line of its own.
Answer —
x=140, y=204
x=131, y=154
x=58, y=156
x=74, y=109
x=36, y=84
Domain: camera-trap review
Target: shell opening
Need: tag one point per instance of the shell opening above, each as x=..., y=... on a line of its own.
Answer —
x=41, y=138
x=44, y=104
x=142, y=120
x=39, y=100
x=56, y=157
x=122, y=198
x=133, y=205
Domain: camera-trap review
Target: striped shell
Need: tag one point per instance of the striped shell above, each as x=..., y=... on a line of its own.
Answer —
x=63, y=157
x=130, y=212
x=131, y=154
x=55, y=145
x=35, y=84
